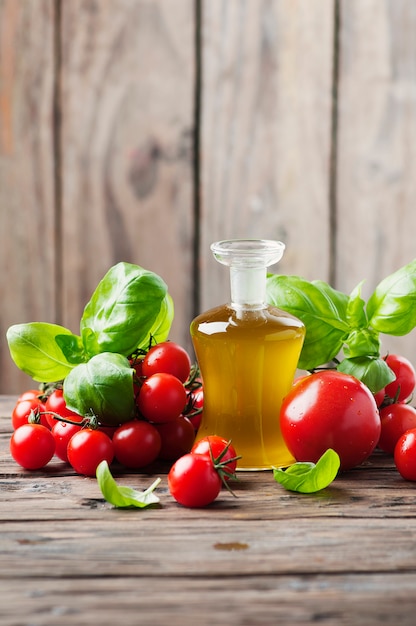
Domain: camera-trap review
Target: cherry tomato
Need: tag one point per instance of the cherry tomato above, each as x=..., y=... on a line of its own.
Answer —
x=168, y=357
x=395, y=420
x=405, y=455
x=405, y=377
x=56, y=404
x=177, y=438
x=330, y=409
x=32, y=446
x=162, y=397
x=193, y=481
x=24, y=408
x=217, y=445
x=62, y=433
x=87, y=448
x=136, y=444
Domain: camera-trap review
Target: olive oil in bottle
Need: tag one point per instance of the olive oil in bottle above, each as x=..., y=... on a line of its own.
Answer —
x=247, y=352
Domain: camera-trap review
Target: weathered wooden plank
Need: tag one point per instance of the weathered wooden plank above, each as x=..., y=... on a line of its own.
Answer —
x=266, y=132
x=27, y=219
x=59, y=499
x=127, y=115
x=376, y=188
x=353, y=600
x=137, y=546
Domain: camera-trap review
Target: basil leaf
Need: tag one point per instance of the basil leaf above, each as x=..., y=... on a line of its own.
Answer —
x=309, y=477
x=124, y=497
x=372, y=371
x=161, y=328
x=103, y=386
x=122, y=310
x=391, y=309
x=321, y=308
x=35, y=348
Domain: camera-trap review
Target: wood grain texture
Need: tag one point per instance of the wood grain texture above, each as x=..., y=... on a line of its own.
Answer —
x=344, y=555
x=376, y=183
x=266, y=132
x=27, y=216
x=115, y=546
x=353, y=600
x=127, y=114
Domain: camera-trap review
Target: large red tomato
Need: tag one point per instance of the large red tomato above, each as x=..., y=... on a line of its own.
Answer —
x=330, y=410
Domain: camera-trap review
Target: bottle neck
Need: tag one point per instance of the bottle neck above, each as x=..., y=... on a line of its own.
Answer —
x=248, y=287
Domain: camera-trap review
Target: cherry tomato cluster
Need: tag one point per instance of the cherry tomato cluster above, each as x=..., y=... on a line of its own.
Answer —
x=168, y=399
x=169, y=396
x=398, y=416
x=195, y=479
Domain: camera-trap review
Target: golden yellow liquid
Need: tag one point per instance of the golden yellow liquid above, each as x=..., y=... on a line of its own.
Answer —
x=248, y=360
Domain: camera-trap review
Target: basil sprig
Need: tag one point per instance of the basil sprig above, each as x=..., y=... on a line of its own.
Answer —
x=129, y=305
x=307, y=477
x=121, y=496
x=346, y=328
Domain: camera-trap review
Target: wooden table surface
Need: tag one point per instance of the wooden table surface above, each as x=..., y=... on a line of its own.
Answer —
x=346, y=555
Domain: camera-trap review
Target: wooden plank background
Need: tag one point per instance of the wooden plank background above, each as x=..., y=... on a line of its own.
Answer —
x=143, y=130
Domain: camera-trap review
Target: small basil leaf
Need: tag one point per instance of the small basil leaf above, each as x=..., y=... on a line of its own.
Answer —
x=103, y=386
x=36, y=351
x=391, y=309
x=72, y=347
x=122, y=310
x=320, y=307
x=356, y=315
x=371, y=370
x=124, y=497
x=309, y=477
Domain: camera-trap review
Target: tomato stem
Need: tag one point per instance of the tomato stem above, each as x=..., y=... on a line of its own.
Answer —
x=193, y=382
x=220, y=465
x=89, y=421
